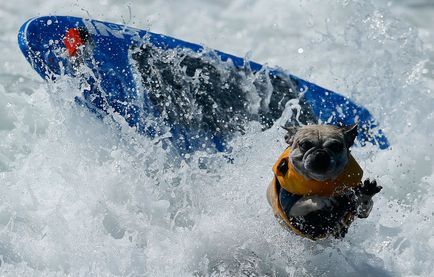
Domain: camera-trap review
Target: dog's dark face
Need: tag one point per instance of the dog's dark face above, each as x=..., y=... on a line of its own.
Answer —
x=320, y=152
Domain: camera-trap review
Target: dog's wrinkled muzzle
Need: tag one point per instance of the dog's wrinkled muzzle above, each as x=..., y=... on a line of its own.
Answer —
x=319, y=161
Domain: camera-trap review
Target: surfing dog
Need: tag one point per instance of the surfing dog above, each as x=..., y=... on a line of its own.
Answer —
x=317, y=189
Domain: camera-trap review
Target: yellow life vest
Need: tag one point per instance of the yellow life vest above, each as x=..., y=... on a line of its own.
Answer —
x=297, y=184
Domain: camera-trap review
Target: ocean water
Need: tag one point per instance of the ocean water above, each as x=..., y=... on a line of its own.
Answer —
x=81, y=198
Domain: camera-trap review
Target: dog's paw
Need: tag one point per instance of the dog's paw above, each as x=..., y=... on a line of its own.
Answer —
x=370, y=187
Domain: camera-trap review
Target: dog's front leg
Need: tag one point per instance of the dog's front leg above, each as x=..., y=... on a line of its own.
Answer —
x=310, y=204
x=359, y=200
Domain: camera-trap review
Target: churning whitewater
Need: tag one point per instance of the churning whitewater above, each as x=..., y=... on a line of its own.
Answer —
x=82, y=196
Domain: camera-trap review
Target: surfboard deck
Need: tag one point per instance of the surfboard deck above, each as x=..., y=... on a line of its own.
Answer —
x=162, y=85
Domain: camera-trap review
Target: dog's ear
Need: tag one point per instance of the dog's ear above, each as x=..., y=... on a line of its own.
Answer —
x=350, y=134
x=291, y=131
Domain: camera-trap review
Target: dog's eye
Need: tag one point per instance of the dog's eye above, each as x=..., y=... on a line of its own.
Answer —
x=336, y=147
x=305, y=145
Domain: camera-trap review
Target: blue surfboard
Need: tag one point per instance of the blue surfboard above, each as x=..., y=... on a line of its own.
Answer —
x=161, y=85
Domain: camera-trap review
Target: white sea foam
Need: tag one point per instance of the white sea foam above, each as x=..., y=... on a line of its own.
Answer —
x=81, y=197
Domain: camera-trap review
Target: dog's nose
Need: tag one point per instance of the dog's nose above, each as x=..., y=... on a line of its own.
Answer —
x=321, y=161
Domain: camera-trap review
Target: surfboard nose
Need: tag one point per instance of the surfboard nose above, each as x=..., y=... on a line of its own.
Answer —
x=41, y=49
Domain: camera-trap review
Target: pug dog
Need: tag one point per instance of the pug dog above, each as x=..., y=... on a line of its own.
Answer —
x=321, y=152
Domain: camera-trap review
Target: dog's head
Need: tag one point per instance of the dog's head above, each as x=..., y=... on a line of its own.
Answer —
x=320, y=152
